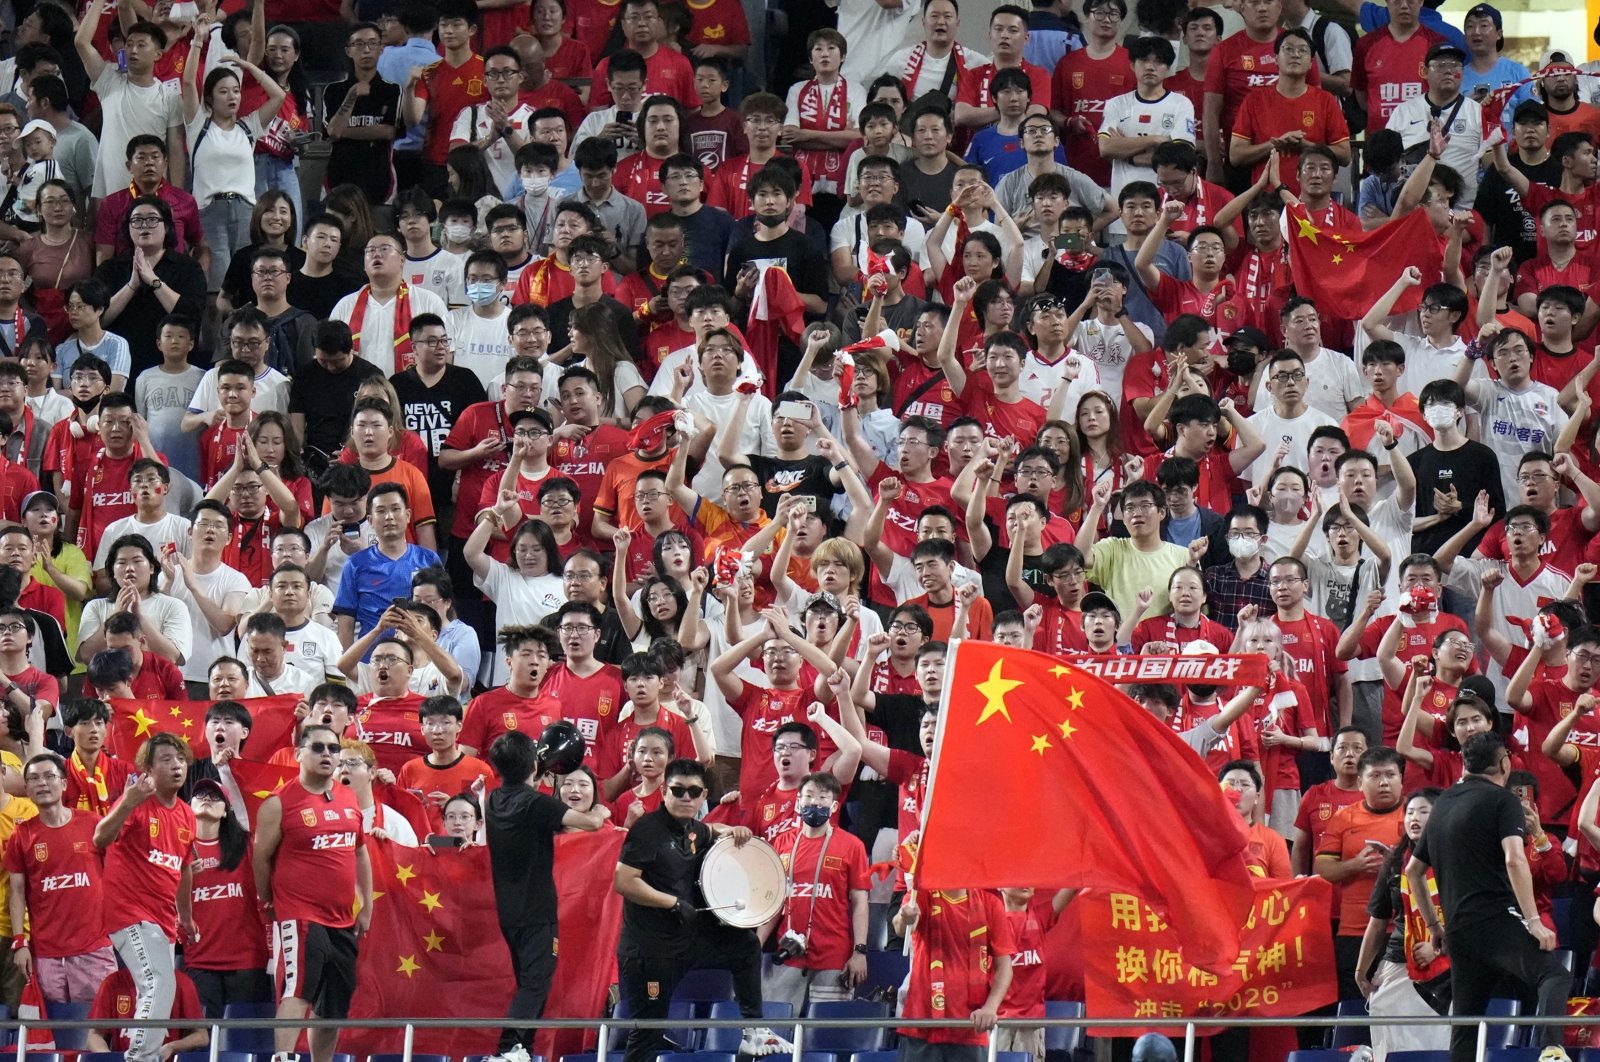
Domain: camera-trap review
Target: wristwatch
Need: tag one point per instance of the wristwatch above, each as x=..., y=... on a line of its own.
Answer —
x=157, y=284
x=861, y=949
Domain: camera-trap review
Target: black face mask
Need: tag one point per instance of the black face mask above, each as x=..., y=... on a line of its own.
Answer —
x=1241, y=362
x=772, y=221
x=86, y=405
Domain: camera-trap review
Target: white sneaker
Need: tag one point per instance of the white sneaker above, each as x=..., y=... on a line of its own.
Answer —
x=762, y=1041
x=1555, y=1053
x=286, y=1056
x=517, y=1053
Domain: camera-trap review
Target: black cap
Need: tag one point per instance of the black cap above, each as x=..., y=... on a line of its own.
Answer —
x=1095, y=601
x=1488, y=11
x=1443, y=50
x=209, y=787
x=1250, y=337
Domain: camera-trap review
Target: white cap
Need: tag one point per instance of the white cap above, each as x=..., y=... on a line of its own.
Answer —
x=38, y=125
x=1199, y=648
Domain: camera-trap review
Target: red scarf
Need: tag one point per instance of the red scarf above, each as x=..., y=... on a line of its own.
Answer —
x=22, y=329
x=1260, y=280
x=919, y=55
x=92, y=793
x=404, y=356
x=826, y=164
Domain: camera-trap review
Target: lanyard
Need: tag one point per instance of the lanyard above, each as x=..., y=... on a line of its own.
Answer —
x=816, y=877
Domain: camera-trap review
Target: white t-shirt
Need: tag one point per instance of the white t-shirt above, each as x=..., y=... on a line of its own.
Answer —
x=314, y=649
x=443, y=272
x=1332, y=380
x=1512, y=423
x=258, y=600
x=216, y=587
x=160, y=612
x=903, y=583
x=1296, y=431
x=932, y=72
x=272, y=392
x=757, y=437
x=520, y=600
x=126, y=111
x=851, y=231
x=50, y=408
x=1464, y=145
x=473, y=123
x=318, y=530
x=293, y=680
x=874, y=32
x=376, y=342
x=661, y=383
x=1107, y=347
x=481, y=344
x=1171, y=116
x=168, y=529
x=855, y=90
x=1040, y=382
x=224, y=162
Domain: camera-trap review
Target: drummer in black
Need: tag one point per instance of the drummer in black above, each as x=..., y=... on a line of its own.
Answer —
x=664, y=936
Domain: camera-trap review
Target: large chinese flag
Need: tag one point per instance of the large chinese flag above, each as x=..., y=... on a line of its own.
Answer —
x=435, y=948
x=1344, y=272
x=134, y=720
x=1045, y=775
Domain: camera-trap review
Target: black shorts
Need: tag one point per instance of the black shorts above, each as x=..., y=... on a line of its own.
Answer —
x=315, y=963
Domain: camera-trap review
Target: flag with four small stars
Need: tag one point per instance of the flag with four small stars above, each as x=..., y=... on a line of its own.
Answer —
x=1045, y=775
x=135, y=720
x=1344, y=272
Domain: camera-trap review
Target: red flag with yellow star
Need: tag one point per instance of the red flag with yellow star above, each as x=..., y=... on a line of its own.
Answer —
x=1344, y=272
x=258, y=780
x=1045, y=775
x=134, y=720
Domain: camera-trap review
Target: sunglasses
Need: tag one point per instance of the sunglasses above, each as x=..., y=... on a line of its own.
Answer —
x=321, y=748
x=691, y=792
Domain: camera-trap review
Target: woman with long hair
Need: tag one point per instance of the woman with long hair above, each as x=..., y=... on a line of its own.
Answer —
x=1067, y=495
x=58, y=256
x=469, y=178
x=1413, y=975
x=278, y=446
x=580, y=791
x=273, y=223
x=227, y=960
x=406, y=444
x=150, y=282
x=277, y=149
x=1100, y=446
x=133, y=573
x=58, y=562
x=595, y=339
x=463, y=819
x=652, y=750
x=348, y=204
x=659, y=613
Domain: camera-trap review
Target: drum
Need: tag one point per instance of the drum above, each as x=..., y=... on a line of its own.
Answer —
x=743, y=885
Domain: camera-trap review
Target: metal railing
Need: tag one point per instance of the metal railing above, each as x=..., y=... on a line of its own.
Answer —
x=608, y=1030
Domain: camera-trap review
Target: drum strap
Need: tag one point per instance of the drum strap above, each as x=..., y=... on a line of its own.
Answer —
x=816, y=877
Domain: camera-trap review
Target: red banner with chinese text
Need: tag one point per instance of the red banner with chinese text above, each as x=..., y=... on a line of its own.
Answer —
x=1221, y=670
x=1134, y=965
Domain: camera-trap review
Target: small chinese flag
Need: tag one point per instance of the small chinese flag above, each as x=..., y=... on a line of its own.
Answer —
x=1030, y=748
x=134, y=720
x=1344, y=272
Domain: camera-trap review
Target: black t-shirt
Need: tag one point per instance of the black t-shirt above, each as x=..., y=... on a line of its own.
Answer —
x=1462, y=844
x=806, y=265
x=432, y=411
x=934, y=191
x=326, y=400
x=807, y=475
x=1385, y=904
x=993, y=571
x=368, y=164
x=319, y=295
x=667, y=854
x=706, y=234
x=522, y=823
x=902, y=317
x=236, y=281
x=1469, y=469
x=899, y=715
x=140, y=320
x=1502, y=210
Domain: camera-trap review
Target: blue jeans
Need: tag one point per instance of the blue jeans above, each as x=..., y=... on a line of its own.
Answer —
x=273, y=172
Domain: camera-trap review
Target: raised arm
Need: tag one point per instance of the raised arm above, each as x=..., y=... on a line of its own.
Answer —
x=1373, y=323
x=83, y=39
x=1144, y=264
x=953, y=370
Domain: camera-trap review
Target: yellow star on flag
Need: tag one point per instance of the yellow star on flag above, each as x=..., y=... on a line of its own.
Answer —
x=995, y=688
x=144, y=723
x=430, y=900
x=1075, y=699
x=1067, y=729
x=408, y=965
x=1040, y=743
x=404, y=874
x=177, y=713
x=434, y=941
x=1059, y=672
x=1338, y=259
x=1307, y=229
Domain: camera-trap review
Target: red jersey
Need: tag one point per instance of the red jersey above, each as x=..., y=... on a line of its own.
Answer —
x=1025, y=997
x=1551, y=699
x=479, y=421
x=451, y=780
x=144, y=863
x=448, y=90
x=62, y=870
x=1168, y=629
x=1079, y=88
x=909, y=770
x=500, y=710
x=639, y=178
x=1318, y=805
x=589, y=701
x=1239, y=64
x=728, y=186
x=900, y=522
x=972, y=86
x=314, y=871
x=1563, y=546
x=218, y=444
x=885, y=679
x=1286, y=707
x=662, y=340
x=101, y=493
x=1416, y=641
x=823, y=872
x=93, y=791
x=1347, y=834
x=1194, y=88
x=158, y=679
x=952, y=960
x=558, y=94
x=226, y=914
x=615, y=749
x=1389, y=71
x=1263, y=282
x=762, y=710
x=1586, y=203
x=1021, y=419
x=1201, y=208
x=1061, y=629
x=1540, y=273
x=937, y=401
x=1173, y=297
x=116, y=998
x=1239, y=744
x=391, y=726
x=774, y=813
x=590, y=22
x=1145, y=377
x=584, y=461
x=16, y=483
x=1268, y=114
x=64, y=451
x=1217, y=478
x=719, y=22
x=1309, y=642
x=666, y=73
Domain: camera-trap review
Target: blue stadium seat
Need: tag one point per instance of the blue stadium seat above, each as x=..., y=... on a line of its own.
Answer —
x=1062, y=1037
x=611, y=1056
x=705, y=986
x=697, y=1056
x=847, y=1041
x=886, y=971
x=875, y=1056
x=414, y=1058
x=1325, y=1055
x=1013, y=1056
x=1501, y=1036
x=222, y=1056
x=480, y=1058
x=1419, y=1056
x=44, y=1056
x=686, y=1037
x=102, y=1056
x=256, y=1041
x=1350, y=1035
x=1513, y=1054
x=68, y=1039
x=773, y=1014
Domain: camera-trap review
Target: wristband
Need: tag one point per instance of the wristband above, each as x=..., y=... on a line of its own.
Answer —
x=840, y=466
x=952, y=210
x=1392, y=445
x=19, y=942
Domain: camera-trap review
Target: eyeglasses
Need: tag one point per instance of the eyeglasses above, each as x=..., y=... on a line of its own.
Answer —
x=585, y=260
x=1139, y=509
x=687, y=792
x=782, y=746
x=551, y=501
x=530, y=333
x=321, y=748
x=1243, y=536
x=779, y=650
x=1534, y=477
x=432, y=342
x=525, y=388
x=352, y=765
x=506, y=230
x=904, y=628
x=366, y=46
x=1106, y=14
x=1289, y=377
x=270, y=274
x=530, y=433
x=246, y=344
x=741, y=488
x=649, y=495
x=144, y=221
x=12, y=628
x=501, y=75
x=1431, y=307
x=1523, y=528
x=1034, y=470
x=54, y=200
x=437, y=725
x=1283, y=580
x=389, y=660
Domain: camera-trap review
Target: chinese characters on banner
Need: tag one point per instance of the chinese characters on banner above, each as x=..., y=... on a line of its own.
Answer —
x=1134, y=965
x=1248, y=670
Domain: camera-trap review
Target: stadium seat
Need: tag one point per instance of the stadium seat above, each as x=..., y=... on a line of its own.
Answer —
x=1565, y=957
x=480, y=1058
x=1322, y=1055
x=886, y=972
x=728, y=1039
x=45, y=1056
x=1013, y=1056
x=846, y=1041
x=697, y=1056
x=874, y=1056
x=256, y=1041
x=1513, y=1054
x=1419, y=1056
x=222, y=1056
x=1063, y=1037
x=705, y=986
x=1350, y=1035
x=611, y=1056
x=1502, y=1036
x=414, y=1058
x=68, y=1039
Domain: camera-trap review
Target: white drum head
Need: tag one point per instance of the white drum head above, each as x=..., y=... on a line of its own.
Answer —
x=743, y=885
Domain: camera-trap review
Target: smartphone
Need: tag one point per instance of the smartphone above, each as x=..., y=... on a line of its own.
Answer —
x=122, y=60
x=918, y=206
x=1071, y=241
x=793, y=410
x=1100, y=276
x=624, y=117
x=436, y=841
x=350, y=530
x=401, y=602
x=1379, y=845
x=808, y=502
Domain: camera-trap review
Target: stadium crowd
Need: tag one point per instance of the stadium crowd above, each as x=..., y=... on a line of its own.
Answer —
x=598, y=383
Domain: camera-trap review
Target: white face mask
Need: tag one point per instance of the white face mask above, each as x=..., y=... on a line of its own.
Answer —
x=535, y=185
x=1439, y=415
x=1243, y=549
x=458, y=231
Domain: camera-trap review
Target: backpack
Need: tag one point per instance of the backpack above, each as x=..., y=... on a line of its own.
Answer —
x=200, y=137
x=1354, y=116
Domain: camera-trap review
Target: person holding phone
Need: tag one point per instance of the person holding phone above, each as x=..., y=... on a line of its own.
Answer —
x=1357, y=840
